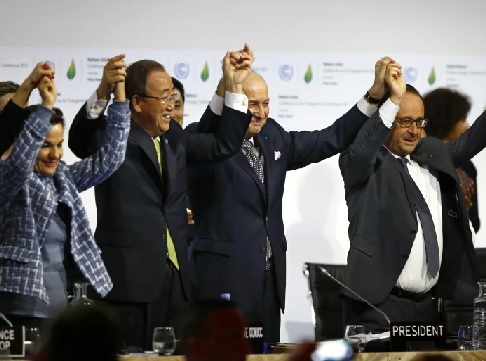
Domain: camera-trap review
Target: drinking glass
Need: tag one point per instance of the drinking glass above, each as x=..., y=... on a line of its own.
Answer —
x=163, y=341
x=464, y=338
x=356, y=336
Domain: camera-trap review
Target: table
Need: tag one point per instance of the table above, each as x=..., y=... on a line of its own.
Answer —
x=382, y=356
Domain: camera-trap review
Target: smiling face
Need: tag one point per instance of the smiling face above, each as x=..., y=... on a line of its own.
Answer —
x=256, y=90
x=153, y=114
x=402, y=141
x=51, y=151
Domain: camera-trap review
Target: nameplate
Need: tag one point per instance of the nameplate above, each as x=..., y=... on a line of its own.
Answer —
x=12, y=341
x=417, y=336
x=254, y=334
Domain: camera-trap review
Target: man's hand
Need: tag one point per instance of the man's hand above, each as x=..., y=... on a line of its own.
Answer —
x=236, y=68
x=113, y=72
x=48, y=92
x=395, y=82
x=379, y=87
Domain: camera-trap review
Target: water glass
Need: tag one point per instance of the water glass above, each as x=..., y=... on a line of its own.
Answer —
x=164, y=341
x=356, y=336
x=464, y=338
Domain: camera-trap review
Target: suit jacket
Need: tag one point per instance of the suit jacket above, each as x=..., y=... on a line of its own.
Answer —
x=235, y=213
x=12, y=119
x=136, y=204
x=382, y=219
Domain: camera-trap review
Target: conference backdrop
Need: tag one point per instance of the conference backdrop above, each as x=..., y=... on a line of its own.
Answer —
x=308, y=91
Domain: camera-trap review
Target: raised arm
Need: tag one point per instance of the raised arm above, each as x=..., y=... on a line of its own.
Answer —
x=88, y=125
x=13, y=115
x=16, y=170
x=314, y=146
x=99, y=166
x=230, y=130
x=357, y=163
x=470, y=143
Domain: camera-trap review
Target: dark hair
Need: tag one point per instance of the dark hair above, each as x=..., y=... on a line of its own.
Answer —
x=137, y=74
x=178, y=85
x=7, y=87
x=83, y=333
x=411, y=89
x=444, y=108
x=194, y=320
x=57, y=117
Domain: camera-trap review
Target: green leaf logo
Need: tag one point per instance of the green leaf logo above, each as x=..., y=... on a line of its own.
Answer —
x=432, y=78
x=308, y=75
x=205, y=72
x=71, y=73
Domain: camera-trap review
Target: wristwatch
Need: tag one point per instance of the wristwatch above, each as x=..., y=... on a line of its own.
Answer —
x=371, y=100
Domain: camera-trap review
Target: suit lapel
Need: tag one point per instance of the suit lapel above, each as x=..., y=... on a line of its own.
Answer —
x=269, y=162
x=141, y=137
x=242, y=161
x=169, y=165
x=395, y=164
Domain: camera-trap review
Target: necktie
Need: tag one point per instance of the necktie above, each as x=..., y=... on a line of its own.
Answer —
x=428, y=228
x=171, y=252
x=257, y=166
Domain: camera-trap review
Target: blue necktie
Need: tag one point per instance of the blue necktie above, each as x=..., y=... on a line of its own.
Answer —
x=428, y=228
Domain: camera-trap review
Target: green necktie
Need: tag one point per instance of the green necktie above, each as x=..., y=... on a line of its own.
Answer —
x=171, y=252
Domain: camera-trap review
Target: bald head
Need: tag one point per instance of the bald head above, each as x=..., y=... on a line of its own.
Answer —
x=256, y=89
x=252, y=81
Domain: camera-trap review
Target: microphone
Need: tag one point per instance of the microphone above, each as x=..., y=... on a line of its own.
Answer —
x=325, y=271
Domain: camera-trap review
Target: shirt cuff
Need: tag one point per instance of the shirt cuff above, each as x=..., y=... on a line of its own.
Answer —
x=236, y=101
x=95, y=107
x=216, y=104
x=388, y=113
x=366, y=108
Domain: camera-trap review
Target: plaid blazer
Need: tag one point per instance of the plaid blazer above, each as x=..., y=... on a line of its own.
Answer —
x=29, y=200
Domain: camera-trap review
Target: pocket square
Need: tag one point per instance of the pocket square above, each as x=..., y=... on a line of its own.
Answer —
x=277, y=155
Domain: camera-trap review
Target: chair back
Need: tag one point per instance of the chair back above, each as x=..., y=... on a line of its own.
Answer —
x=327, y=306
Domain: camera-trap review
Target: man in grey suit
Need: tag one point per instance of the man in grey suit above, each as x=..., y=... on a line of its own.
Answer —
x=408, y=224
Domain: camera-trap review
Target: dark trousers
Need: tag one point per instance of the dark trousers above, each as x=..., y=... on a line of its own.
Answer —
x=395, y=307
x=266, y=310
x=139, y=319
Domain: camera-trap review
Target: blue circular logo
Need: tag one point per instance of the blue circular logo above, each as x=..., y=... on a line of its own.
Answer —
x=181, y=70
x=286, y=72
x=410, y=74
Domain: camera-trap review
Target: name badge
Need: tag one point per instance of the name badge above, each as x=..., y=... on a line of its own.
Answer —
x=417, y=336
x=254, y=334
x=12, y=341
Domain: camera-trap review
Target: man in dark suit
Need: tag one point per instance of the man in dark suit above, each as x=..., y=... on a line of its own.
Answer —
x=240, y=247
x=142, y=221
x=408, y=224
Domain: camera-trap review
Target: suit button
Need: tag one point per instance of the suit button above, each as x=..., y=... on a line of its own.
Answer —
x=266, y=219
x=263, y=249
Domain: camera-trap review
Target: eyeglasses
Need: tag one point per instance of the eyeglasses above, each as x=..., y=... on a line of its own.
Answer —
x=163, y=100
x=407, y=122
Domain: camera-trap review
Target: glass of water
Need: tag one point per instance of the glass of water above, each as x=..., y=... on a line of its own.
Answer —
x=164, y=340
x=464, y=338
x=356, y=336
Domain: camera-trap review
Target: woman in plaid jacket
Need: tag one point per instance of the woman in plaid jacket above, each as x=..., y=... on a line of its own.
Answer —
x=45, y=237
